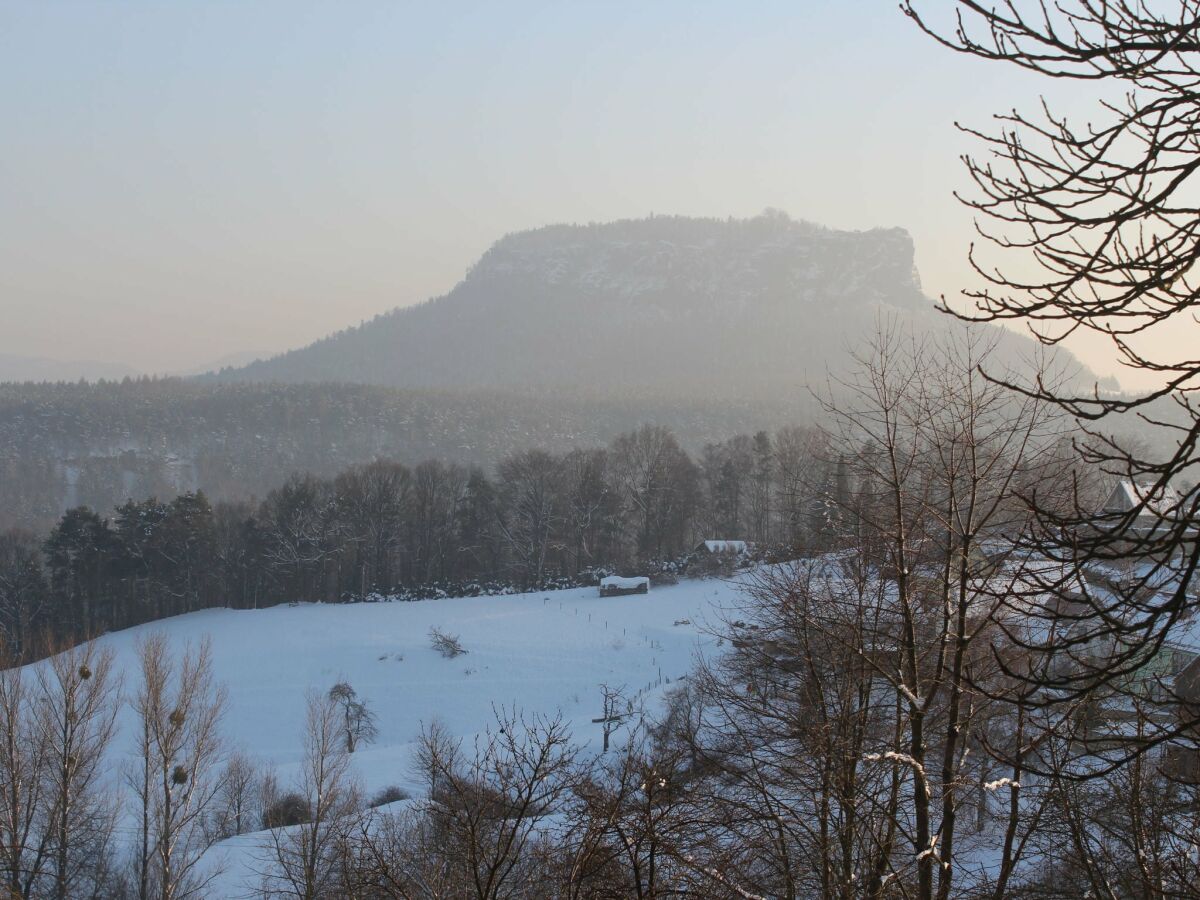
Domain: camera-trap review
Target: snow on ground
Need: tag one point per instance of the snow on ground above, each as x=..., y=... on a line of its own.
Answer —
x=543, y=652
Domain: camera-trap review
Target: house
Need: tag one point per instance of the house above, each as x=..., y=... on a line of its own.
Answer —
x=721, y=548
x=1183, y=757
x=715, y=556
x=1150, y=504
x=616, y=586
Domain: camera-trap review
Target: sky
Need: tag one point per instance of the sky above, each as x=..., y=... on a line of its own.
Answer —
x=189, y=181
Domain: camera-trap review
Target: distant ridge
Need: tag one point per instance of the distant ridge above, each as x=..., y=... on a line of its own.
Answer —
x=658, y=306
x=15, y=368
x=557, y=338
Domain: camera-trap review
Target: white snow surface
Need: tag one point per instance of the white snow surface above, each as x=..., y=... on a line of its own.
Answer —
x=544, y=652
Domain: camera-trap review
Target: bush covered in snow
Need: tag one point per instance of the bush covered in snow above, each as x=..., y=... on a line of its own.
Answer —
x=448, y=645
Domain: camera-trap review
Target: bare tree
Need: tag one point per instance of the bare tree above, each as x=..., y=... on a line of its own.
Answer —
x=487, y=804
x=1088, y=225
x=56, y=818
x=939, y=451
x=592, y=509
x=305, y=860
x=1097, y=216
x=239, y=799
x=642, y=825
x=403, y=856
x=177, y=779
x=438, y=492
x=798, y=463
x=726, y=468
x=358, y=722
x=531, y=501
x=615, y=708
x=790, y=718
x=76, y=713
x=373, y=499
x=840, y=739
x=302, y=530
x=23, y=763
x=659, y=486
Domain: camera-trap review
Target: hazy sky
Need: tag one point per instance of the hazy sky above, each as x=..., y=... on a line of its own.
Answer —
x=182, y=181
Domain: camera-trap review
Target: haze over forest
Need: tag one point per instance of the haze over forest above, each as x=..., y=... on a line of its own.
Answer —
x=562, y=336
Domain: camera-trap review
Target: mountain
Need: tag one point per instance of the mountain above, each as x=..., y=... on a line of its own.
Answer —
x=228, y=361
x=561, y=337
x=665, y=305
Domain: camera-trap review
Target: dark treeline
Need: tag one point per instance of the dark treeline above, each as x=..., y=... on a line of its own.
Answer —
x=384, y=528
x=68, y=445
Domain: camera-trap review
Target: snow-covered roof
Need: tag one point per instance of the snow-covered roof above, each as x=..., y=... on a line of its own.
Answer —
x=725, y=546
x=616, y=581
x=1128, y=495
x=1032, y=581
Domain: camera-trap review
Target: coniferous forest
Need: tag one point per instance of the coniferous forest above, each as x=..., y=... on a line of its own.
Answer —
x=387, y=530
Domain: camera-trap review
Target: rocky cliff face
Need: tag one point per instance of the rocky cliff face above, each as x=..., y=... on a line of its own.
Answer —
x=667, y=267
x=664, y=305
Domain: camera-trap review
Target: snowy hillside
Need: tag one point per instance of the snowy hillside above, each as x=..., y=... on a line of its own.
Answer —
x=543, y=652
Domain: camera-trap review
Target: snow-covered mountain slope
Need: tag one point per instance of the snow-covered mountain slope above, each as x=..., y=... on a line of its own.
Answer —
x=666, y=305
x=542, y=653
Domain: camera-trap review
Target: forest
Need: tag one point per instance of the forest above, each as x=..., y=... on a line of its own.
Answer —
x=385, y=530
x=100, y=444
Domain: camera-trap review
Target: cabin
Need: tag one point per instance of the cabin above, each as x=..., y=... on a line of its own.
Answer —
x=1182, y=761
x=716, y=556
x=721, y=548
x=616, y=586
x=1183, y=758
x=1153, y=505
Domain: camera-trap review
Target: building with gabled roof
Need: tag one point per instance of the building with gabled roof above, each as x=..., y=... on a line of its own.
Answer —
x=1153, y=502
x=721, y=548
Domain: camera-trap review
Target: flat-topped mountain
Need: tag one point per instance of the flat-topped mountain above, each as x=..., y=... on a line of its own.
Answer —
x=560, y=337
x=666, y=304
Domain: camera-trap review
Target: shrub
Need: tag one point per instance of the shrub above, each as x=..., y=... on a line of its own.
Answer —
x=390, y=794
x=445, y=643
x=289, y=809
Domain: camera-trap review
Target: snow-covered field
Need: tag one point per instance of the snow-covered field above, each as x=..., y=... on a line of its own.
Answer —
x=543, y=652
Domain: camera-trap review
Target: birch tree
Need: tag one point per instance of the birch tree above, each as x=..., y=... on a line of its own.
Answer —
x=177, y=777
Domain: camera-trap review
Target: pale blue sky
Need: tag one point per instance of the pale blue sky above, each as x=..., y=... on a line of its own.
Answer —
x=180, y=181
